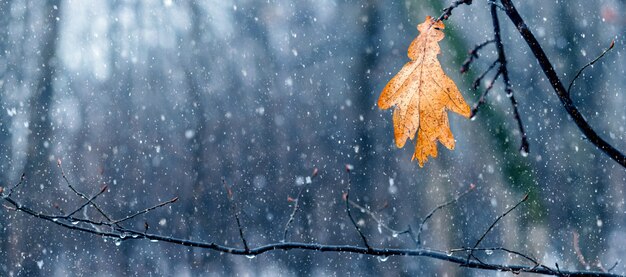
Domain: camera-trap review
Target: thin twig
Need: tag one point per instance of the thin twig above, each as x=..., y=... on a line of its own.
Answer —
x=375, y=218
x=476, y=82
x=448, y=11
x=494, y=224
x=532, y=260
x=79, y=193
x=612, y=267
x=473, y=55
x=292, y=216
x=441, y=206
x=483, y=96
x=296, y=206
x=235, y=209
x=558, y=87
x=524, y=147
x=569, y=88
x=145, y=210
x=413, y=236
x=346, y=198
x=16, y=185
x=90, y=200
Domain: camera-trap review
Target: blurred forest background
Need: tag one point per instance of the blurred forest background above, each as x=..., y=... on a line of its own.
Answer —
x=159, y=99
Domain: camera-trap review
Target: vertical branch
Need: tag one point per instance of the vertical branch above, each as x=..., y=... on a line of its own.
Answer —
x=233, y=204
x=346, y=198
x=296, y=207
x=292, y=216
x=505, y=76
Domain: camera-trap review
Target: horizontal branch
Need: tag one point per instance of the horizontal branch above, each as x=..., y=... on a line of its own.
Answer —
x=122, y=234
x=119, y=233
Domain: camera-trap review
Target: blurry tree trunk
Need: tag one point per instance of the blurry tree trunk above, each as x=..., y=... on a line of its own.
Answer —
x=39, y=137
x=40, y=126
x=5, y=125
x=198, y=66
x=365, y=99
x=365, y=95
x=592, y=240
x=194, y=208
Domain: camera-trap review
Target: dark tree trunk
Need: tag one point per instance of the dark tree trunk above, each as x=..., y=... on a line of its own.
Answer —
x=40, y=138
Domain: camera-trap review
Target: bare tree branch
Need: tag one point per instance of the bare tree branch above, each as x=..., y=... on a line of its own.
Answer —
x=505, y=77
x=476, y=82
x=17, y=185
x=448, y=11
x=119, y=234
x=90, y=200
x=483, y=96
x=296, y=206
x=346, y=198
x=569, y=88
x=558, y=87
x=229, y=194
x=82, y=195
x=494, y=224
x=146, y=210
x=503, y=72
x=526, y=257
x=114, y=229
x=473, y=55
x=433, y=211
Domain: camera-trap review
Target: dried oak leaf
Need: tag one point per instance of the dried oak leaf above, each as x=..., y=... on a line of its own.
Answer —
x=422, y=93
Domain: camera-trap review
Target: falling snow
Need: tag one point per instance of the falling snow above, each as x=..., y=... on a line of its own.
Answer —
x=230, y=107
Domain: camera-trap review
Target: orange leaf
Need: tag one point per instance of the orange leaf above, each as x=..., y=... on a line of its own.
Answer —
x=422, y=93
